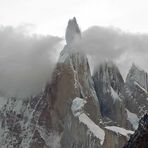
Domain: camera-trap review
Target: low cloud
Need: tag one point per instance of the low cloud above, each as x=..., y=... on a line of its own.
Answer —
x=123, y=48
x=26, y=61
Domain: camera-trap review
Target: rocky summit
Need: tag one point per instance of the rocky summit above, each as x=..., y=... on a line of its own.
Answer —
x=77, y=109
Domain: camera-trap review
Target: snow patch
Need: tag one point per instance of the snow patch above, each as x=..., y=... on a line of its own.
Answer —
x=132, y=118
x=115, y=95
x=136, y=83
x=120, y=130
x=77, y=106
x=95, y=129
x=77, y=110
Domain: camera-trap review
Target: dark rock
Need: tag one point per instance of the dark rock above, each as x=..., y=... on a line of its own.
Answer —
x=140, y=138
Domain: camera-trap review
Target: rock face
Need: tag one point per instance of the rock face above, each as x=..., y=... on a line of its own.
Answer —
x=108, y=84
x=140, y=138
x=76, y=110
x=114, y=139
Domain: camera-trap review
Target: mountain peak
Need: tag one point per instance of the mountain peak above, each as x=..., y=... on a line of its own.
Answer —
x=72, y=31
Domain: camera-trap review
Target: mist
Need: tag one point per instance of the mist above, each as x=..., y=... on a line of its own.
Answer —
x=108, y=43
x=26, y=61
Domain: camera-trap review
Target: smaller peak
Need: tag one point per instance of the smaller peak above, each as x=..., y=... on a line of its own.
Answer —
x=72, y=31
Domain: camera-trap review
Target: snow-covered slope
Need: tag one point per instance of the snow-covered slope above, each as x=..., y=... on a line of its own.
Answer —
x=134, y=120
x=120, y=130
x=78, y=111
x=22, y=126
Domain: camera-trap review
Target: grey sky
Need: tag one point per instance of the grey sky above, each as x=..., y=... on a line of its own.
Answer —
x=50, y=16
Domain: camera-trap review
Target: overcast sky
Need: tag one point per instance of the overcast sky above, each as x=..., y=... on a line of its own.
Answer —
x=27, y=62
x=50, y=16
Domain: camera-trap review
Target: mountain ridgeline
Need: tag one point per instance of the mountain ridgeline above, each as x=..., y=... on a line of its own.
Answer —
x=75, y=109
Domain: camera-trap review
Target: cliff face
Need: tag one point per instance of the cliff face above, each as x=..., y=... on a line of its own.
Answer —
x=72, y=79
x=114, y=140
x=108, y=84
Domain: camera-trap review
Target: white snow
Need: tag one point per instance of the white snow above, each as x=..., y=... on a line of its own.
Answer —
x=115, y=95
x=77, y=110
x=120, y=130
x=95, y=129
x=136, y=83
x=77, y=106
x=132, y=118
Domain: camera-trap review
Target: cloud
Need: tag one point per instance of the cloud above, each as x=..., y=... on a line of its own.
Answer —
x=26, y=61
x=123, y=48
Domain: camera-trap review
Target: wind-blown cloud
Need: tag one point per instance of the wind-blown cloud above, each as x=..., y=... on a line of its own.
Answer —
x=123, y=48
x=26, y=62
